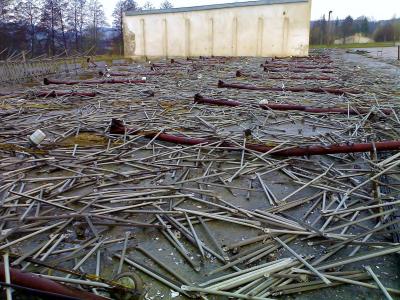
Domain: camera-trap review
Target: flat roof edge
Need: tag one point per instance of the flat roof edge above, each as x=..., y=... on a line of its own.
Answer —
x=211, y=7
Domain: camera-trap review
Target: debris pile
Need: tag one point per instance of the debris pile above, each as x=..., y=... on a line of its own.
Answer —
x=210, y=178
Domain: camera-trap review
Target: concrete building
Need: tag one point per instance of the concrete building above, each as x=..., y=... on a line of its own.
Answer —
x=254, y=28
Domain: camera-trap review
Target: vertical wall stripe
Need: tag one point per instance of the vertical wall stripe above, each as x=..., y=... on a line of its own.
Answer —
x=211, y=36
x=143, y=37
x=234, y=36
x=165, y=38
x=285, y=36
x=187, y=37
x=260, y=36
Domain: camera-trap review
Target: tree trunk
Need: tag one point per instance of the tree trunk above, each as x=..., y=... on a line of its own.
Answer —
x=76, y=28
x=53, y=45
x=32, y=35
x=63, y=31
x=121, y=32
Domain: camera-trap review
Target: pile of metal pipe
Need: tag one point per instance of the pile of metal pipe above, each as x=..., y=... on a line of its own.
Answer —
x=217, y=192
x=33, y=281
x=117, y=127
x=53, y=94
x=47, y=81
x=313, y=77
x=288, y=107
x=323, y=90
x=294, y=70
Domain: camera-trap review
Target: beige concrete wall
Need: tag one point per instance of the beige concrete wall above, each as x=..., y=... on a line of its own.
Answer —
x=266, y=30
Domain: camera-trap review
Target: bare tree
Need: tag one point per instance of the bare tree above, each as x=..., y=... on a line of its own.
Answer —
x=49, y=22
x=324, y=31
x=347, y=28
x=77, y=14
x=166, y=4
x=61, y=6
x=98, y=20
x=28, y=13
x=120, y=8
x=4, y=9
x=148, y=6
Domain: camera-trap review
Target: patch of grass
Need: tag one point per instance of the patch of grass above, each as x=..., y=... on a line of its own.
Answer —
x=6, y=106
x=349, y=46
x=47, y=106
x=17, y=148
x=85, y=139
x=110, y=58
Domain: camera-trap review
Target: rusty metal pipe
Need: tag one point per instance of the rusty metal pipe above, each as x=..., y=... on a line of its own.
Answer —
x=33, y=281
x=223, y=102
x=150, y=73
x=213, y=59
x=285, y=107
x=173, y=61
x=321, y=58
x=268, y=69
x=288, y=65
x=53, y=94
x=330, y=149
x=335, y=91
x=241, y=74
x=322, y=110
x=219, y=102
x=155, y=67
x=117, y=127
x=47, y=81
x=101, y=73
x=309, y=67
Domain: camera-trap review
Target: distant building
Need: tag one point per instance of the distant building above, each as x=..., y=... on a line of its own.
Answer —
x=254, y=28
x=357, y=38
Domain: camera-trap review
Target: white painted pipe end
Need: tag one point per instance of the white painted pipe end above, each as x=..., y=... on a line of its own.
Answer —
x=37, y=137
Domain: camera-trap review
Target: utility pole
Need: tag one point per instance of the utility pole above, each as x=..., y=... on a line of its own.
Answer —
x=398, y=52
x=329, y=27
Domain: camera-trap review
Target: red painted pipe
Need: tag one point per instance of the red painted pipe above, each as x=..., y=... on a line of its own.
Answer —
x=173, y=61
x=194, y=62
x=223, y=102
x=315, y=68
x=334, y=149
x=302, y=78
x=101, y=73
x=335, y=91
x=241, y=74
x=52, y=94
x=277, y=70
x=117, y=127
x=132, y=74
x=325, y=59
x=33, y=281
x=47, y=81
x=213, y=59
x=310, y=67
x=155, y=67
x=284, y=107
x=219, y=102
x=322, y=110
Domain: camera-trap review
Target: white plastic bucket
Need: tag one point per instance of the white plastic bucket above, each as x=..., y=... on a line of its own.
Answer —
x=37, y=137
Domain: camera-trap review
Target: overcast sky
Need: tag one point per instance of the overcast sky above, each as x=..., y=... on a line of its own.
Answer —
x=379, y=10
